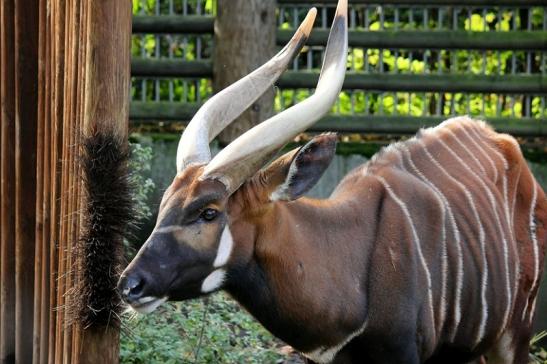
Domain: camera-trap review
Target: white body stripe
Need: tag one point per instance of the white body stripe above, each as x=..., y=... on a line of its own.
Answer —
x=483, y=152
x=535, y=246
x=469, y=197
x=459, y=266
x=484, y=285
x=423, y=262
x=509, y=215
x=464, y=147
x=532, y=310
x=505, y=245
x=324, y=355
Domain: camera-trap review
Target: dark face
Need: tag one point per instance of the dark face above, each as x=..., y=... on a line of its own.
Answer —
x=184, y=256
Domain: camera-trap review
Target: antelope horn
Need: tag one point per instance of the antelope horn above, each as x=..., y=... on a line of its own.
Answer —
x=220, y=110
x=245, y=155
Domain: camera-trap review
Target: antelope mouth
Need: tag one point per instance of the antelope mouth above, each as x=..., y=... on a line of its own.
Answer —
x=147, y=304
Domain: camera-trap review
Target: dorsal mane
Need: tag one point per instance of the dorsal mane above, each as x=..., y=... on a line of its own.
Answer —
x=391, y=153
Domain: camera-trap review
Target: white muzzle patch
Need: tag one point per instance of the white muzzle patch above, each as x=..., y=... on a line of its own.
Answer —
x=213, y=281
x=147, y=304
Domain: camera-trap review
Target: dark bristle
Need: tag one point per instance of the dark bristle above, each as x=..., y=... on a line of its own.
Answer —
x=108, y=218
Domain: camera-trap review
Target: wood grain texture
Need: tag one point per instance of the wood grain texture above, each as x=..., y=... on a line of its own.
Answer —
x=7, y=186
x=106, y=108
x=244, y=40
x=54, y=74
x=107, y=64
x=26, y=71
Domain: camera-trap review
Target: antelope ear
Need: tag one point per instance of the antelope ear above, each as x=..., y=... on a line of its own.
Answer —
x=298, y=171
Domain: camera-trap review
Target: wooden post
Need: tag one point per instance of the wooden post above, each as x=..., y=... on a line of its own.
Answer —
x=7, y=182
x=106, y=108
x=41, y=283
x=244, y=39
x=64, y=73
x=26, y=71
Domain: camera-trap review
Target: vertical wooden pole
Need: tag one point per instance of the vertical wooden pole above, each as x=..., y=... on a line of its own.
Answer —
x=40, y=261
x=1, y=123
x=82, y=76
x=106, y=108
x=66, y=194
x=244, y=39
x=46, y=312
x=7, y=183
x=26, y=70
x=58, y=249
x=64, y=73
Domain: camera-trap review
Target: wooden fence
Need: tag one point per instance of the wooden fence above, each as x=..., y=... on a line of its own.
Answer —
x=442, y=28
x=64, y=75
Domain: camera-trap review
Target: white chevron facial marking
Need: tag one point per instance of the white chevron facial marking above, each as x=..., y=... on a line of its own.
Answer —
x=224, y=248
x=168, y=229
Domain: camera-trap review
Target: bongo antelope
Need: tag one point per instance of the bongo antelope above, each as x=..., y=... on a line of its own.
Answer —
x=431, y=252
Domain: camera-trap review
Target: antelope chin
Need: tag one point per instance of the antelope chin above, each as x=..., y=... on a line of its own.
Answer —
x=147, y=304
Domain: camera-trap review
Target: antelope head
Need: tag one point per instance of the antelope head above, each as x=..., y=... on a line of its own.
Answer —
x=187, y=253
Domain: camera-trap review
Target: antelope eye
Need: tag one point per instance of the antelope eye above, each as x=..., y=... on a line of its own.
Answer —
x=209, y=214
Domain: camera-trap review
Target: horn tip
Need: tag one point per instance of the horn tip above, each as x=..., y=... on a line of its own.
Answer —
x=308, y=22
x=342, y=8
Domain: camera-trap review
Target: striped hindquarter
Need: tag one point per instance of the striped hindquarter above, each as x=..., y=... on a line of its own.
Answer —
x=469, y=212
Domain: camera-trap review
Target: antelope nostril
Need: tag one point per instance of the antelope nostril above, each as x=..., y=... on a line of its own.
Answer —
x=131, y=287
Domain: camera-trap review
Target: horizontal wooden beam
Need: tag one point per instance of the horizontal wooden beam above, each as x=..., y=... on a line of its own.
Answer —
x=518, y=84
x=142, y=112
x=165, y=67
x=162, y=111
x=158, y=24
x=521, y=40
x=477, y=3
x=530, y=84
x=454, y=39
x=411, y=124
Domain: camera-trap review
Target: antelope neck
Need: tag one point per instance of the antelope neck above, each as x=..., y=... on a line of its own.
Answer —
x=308, y=257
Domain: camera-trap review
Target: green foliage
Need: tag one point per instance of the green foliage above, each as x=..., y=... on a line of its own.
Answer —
x=538, y=353
x=486, y=62
x=150, y=7
x=212, y=330
x=140, y=166
x=139, y=169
